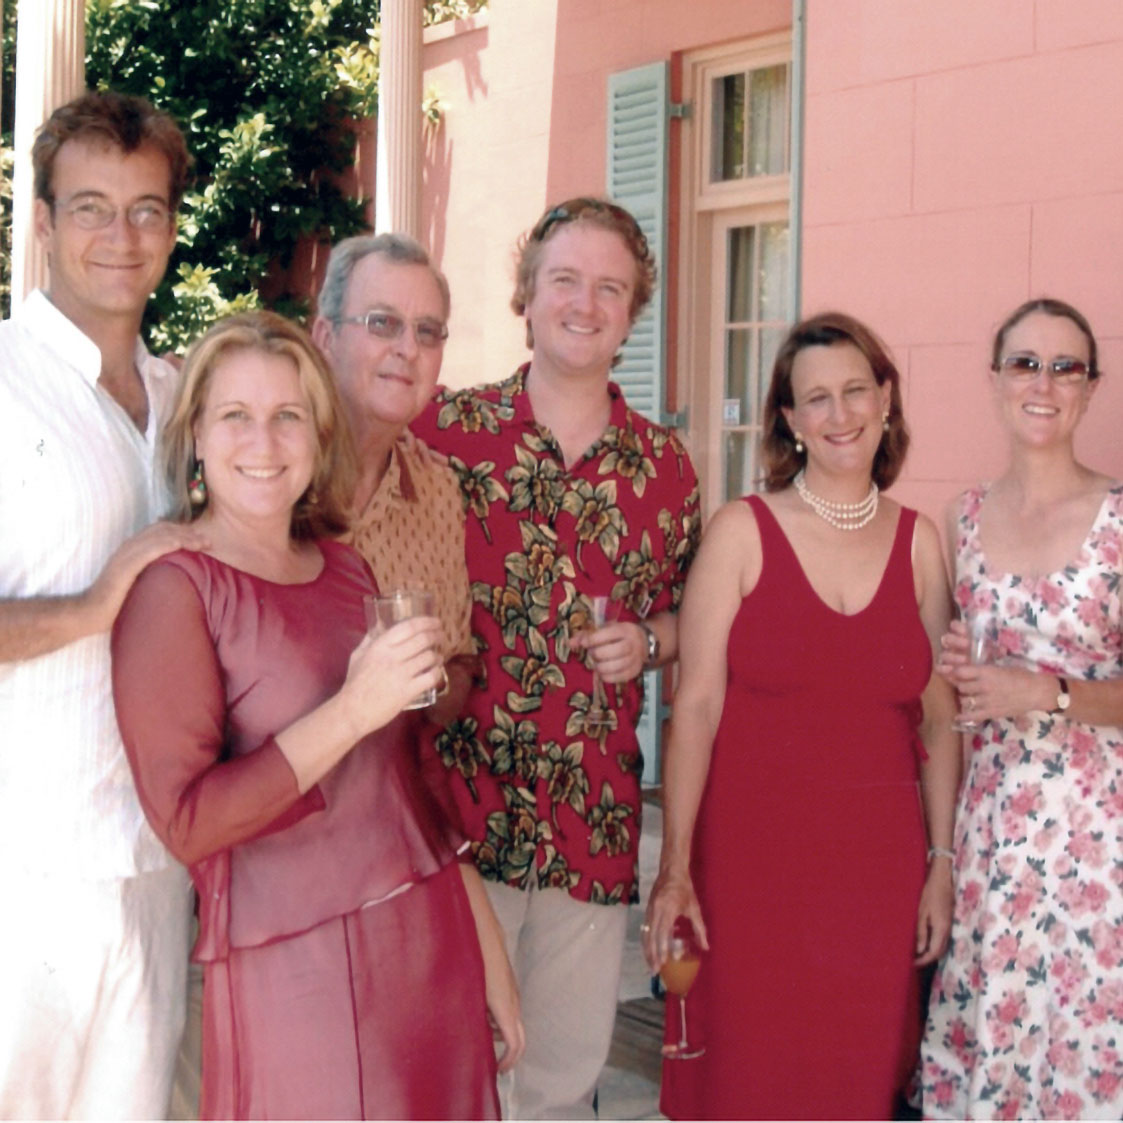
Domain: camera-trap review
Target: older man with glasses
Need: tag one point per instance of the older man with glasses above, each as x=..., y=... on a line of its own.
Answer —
x=382, y=320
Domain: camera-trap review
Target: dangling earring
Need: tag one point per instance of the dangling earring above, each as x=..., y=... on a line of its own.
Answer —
x=885, y=421
x=197, y=486
x=799, y=443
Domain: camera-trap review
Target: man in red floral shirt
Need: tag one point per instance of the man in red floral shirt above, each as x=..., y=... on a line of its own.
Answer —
x=571, y=496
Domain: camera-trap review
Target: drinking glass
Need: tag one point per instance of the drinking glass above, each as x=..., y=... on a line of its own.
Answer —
x=978, y=652
x=678, y=973
x=598, y=716
x=391, y=608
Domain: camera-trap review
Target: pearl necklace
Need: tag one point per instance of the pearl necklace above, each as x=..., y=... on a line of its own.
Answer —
x=844, y=516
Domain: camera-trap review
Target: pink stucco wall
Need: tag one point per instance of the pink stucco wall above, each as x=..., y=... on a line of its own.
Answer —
x=524, y=124
x=961, y=157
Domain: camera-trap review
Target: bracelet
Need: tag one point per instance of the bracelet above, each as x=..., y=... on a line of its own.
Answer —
x=941, y=852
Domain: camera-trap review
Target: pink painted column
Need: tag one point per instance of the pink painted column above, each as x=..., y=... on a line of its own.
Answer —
x=51, y=51
x=397, y=196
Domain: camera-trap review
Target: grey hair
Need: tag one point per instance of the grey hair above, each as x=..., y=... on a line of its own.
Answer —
x=400, y=249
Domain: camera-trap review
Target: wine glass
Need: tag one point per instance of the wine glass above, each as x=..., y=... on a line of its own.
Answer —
x=598, y=716
x=678, y=973
x=384, y=611
x=978, y=652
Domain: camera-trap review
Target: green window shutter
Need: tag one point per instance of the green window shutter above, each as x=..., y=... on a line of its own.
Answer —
x=636, y=178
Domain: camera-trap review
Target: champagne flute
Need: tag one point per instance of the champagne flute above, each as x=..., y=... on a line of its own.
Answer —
x=678, y=973
x=978, y=653
x=598, y=716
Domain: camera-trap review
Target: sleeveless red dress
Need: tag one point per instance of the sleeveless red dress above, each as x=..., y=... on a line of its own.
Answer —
x=809, y=854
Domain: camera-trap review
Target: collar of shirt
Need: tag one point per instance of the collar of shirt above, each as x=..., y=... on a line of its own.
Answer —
x=516, y=395
x=397, y=484
x=60, y=335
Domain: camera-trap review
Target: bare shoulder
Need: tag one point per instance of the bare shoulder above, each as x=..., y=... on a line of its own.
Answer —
x=731, y=545
x=734, y=522
x=925, y=536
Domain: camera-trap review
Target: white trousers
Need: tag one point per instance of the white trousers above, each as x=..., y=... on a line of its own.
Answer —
x=92, y=994
x=566, y=955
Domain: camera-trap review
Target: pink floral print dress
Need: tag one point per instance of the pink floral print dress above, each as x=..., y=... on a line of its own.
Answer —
x=1026, y=1013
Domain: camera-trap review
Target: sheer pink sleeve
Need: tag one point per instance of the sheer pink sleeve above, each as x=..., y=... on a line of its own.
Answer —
x=171, y=708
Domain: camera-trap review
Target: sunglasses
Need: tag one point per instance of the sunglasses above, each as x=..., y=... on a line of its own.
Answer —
x=573, y=209
x=1026, y=366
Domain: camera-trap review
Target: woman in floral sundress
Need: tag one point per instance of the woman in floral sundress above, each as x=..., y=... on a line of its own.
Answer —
x=1026, y=1014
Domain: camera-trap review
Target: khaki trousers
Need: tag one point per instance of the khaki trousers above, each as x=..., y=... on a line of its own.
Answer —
x=566, y=955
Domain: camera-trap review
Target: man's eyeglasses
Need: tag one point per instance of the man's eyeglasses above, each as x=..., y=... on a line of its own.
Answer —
x=1026, y=366
x=147, y=215
x=387, y=325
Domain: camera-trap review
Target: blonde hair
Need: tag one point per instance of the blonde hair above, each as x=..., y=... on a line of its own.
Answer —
x=322, y=510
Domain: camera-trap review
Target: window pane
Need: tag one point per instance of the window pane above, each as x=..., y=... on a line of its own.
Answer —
x=774, y=271
x=739, y=308
x=749, y=123
x=768, y=122
x=738, y=373
x=769, y=341
x=729, y=127
x=740, y=469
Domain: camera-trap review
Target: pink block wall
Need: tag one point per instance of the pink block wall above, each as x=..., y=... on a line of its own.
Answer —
x=524, y=125
x=959, y=158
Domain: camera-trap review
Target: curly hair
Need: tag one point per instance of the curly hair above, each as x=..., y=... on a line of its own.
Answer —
x=592, y=211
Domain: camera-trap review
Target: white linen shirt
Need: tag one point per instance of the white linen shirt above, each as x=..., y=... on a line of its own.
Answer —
x=76, y=479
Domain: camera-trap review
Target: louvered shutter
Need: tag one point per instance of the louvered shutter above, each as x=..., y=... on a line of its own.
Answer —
x=636, y=178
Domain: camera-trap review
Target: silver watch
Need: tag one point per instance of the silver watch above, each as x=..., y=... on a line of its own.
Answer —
x=652, y=644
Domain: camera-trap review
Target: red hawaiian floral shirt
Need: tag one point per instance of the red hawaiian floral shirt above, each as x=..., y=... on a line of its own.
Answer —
x=547, y=799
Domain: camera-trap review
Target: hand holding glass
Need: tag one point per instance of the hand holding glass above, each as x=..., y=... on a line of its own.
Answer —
x=678, y=973
x=597, y=716
x=384, y=612
x=977, y=653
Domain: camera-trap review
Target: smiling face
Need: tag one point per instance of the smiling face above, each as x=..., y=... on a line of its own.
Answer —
x=95, y=274
x=580, y=312
x=838, y=409
x=256, y=437
x=1038, y=412
x=384, y=383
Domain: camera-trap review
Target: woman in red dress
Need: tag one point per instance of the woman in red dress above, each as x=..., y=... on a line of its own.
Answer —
x=343, y=976
x=794, y=836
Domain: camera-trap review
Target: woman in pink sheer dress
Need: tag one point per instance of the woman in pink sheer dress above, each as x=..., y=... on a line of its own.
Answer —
x=350, y=961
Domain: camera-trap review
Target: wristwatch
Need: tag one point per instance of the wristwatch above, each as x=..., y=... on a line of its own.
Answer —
x=653, y=645
x=1064, y=699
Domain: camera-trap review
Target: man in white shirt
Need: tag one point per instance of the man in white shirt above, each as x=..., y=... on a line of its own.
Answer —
x=93, y=948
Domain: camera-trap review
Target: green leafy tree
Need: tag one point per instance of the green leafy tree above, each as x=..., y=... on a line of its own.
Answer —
x=267, y=92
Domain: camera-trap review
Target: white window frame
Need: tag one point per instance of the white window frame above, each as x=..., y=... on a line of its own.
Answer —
x=708, y=210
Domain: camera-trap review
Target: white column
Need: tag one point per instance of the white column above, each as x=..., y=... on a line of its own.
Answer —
x=50, y=70
x=397, y=195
